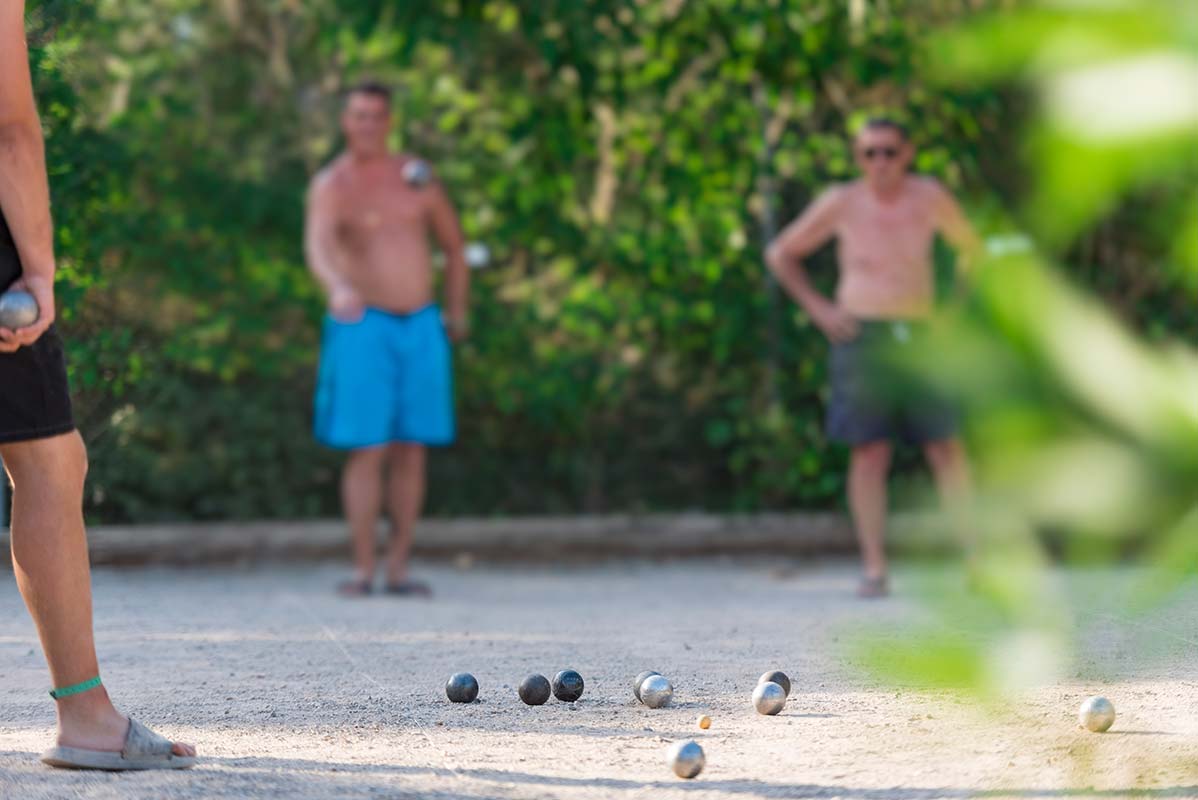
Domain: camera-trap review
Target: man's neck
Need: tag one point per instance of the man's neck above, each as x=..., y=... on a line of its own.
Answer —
x=887, y=193
x=367, y=157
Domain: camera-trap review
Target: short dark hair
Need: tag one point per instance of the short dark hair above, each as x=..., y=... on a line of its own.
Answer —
x=371, y=88
x=887, y=123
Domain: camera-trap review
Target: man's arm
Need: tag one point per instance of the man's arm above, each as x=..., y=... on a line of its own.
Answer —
x=320, y=247
x=24, y=193
x=784, y=257
x=448, y=233
x=954, y=226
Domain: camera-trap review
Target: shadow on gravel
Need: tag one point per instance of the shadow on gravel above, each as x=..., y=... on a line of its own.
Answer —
x=744, y=787
x=227, y=777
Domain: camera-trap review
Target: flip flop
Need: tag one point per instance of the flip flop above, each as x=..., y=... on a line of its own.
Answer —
x=409, y=589
x=873, y=588
x=143, y=750
x=356, y=587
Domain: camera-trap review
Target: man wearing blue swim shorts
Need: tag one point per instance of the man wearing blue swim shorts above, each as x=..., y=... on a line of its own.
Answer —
x=385, y=389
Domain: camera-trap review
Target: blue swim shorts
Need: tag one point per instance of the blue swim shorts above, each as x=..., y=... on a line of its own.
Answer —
x=385, y=378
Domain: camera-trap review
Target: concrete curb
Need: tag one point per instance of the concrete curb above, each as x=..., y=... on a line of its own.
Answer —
x=514, y=539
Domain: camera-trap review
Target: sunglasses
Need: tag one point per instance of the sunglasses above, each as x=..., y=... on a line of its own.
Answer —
x=889, y=153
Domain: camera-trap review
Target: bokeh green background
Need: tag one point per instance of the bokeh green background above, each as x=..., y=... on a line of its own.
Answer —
x=622, y=160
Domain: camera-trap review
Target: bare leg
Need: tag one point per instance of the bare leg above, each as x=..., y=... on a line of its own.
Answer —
x=869, y=466
x=405, y=501
x=49, y=552
x=362, y=499
x=950, y=470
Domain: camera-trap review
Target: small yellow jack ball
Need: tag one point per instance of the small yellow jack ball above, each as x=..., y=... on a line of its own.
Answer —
x=704, y=722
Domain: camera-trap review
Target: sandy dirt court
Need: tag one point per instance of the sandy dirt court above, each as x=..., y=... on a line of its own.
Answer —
x=292, y=692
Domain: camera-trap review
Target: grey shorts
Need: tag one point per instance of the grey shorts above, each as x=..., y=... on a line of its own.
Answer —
x=873, y=400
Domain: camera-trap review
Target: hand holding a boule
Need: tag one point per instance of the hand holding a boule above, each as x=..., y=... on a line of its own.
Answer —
x=42, y=289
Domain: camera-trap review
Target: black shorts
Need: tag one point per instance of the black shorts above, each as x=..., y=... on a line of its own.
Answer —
x=873, y=400
x=35, y=401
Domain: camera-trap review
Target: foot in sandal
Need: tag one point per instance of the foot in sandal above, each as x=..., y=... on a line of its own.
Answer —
x=94, y=735
x=408, y=588
x=356, y=587
x=873, y=587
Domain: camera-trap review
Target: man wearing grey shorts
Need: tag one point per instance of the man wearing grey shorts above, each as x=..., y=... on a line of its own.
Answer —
x=884, y=223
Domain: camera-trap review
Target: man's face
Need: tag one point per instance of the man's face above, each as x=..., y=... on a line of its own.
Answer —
x=883, y=156
x=366, y=122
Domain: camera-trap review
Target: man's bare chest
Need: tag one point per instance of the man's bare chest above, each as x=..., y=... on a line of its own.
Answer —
x=901, y=223
x=371, y=210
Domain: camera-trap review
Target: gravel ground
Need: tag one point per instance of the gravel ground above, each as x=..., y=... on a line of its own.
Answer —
x=292, y=692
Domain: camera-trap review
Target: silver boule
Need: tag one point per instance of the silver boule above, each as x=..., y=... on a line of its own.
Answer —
x=769, y=698
x=1096, y=714
x=639, y=679
x=18, y=309
x=478, y=255
x=686, y=759
x=417, y=173
x=657, y=691
x=776, y=676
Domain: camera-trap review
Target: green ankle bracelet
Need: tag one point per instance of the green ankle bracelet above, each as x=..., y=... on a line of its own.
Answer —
x=78, y=688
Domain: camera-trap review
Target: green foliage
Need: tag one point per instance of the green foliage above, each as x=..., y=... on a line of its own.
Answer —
x=623, y=161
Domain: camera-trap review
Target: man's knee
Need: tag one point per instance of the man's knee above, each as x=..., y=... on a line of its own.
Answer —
x=872, y=457
x=944, y=454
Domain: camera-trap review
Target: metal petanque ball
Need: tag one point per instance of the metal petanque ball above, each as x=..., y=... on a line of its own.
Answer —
x=417, y=173
x=461, y=688
x=535, y=690
x=776, y=676
x=639, y=679
x=567, y=686
x=1096, y=714
x=657, y=691
x=18, y=309
x=769, y=698
x=686, y=759
x=478, y=255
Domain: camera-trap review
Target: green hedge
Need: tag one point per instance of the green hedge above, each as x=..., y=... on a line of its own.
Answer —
x=618, y=158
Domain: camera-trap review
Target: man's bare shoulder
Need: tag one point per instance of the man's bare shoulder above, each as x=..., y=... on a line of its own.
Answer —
x=835, y=197
x=330, y=177
x=929, y=186
x=844, y=193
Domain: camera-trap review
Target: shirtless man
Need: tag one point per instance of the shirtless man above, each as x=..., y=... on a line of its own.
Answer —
x=44, y=454
x=385, y=388
x=885, y=224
